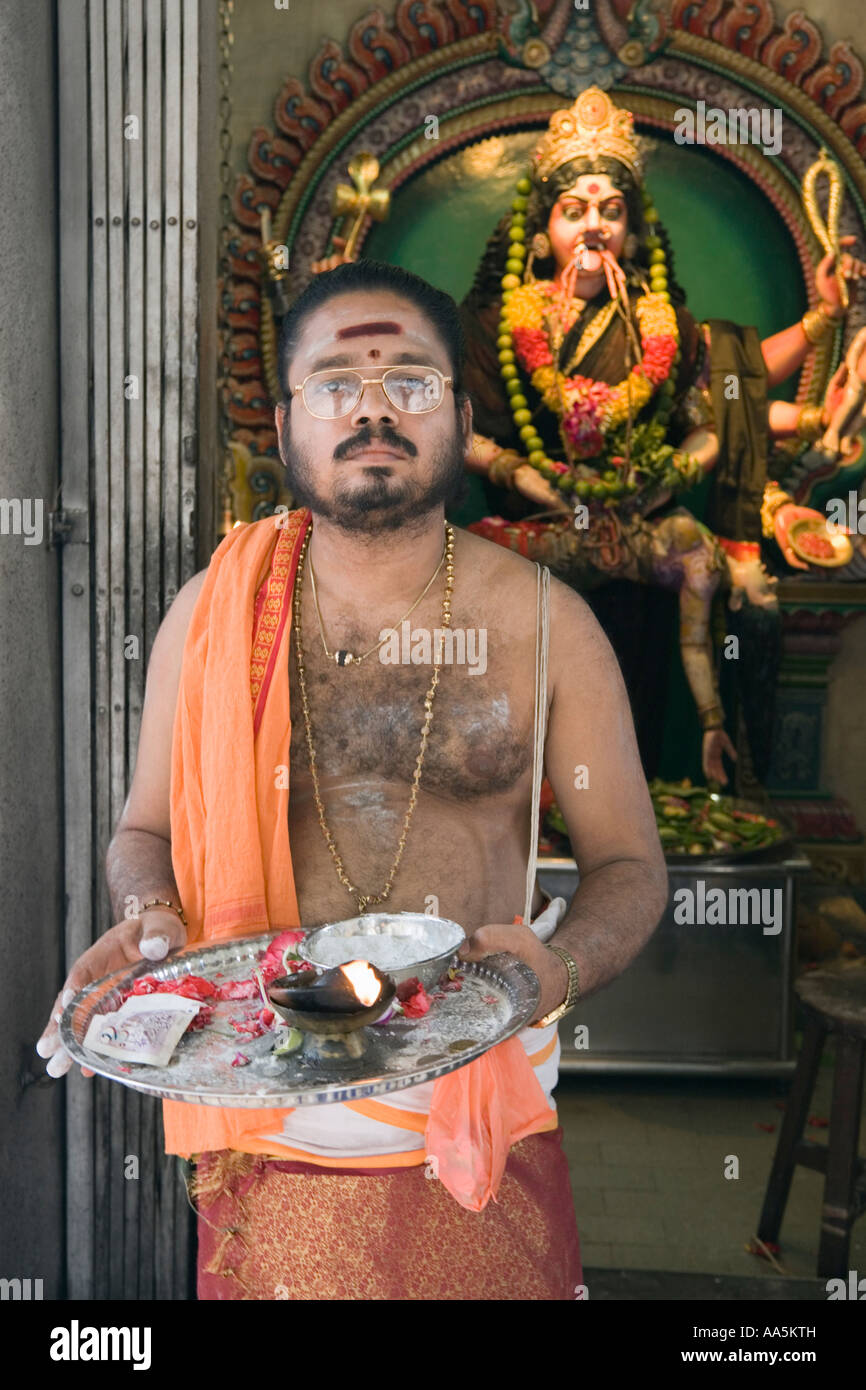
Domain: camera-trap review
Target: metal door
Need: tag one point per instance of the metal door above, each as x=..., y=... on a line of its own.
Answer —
x=128, y=73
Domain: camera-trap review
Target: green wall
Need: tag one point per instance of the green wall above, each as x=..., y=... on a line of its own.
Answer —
x=733, y=254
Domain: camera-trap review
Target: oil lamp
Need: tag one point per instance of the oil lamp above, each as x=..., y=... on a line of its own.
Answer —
x=333, y=1007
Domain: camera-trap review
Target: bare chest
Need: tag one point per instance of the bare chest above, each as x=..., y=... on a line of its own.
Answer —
x=366, y=721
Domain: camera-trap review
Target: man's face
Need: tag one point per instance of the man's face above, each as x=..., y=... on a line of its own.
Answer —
x=592, y=212
x=378, y=467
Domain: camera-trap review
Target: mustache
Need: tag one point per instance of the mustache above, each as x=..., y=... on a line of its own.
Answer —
x=365, y=438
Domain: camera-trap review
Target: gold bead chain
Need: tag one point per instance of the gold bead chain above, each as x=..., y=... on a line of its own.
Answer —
x=363, y=900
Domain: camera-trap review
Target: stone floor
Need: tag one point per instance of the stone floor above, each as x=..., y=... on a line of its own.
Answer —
x=647, y=1159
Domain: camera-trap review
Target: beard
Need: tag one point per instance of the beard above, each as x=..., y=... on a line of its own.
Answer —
x=380, y=502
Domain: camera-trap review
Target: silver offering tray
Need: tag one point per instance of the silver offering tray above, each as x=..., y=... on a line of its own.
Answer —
x=498, y=998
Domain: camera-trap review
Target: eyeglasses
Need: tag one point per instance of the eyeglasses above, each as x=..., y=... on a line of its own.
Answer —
x=331, y=394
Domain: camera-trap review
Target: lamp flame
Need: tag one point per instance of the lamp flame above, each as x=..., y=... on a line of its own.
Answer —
x=362, y=980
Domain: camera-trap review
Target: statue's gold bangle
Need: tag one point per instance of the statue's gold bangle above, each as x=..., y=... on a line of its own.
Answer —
x=711, y=717
x=500, y=471
x=817, y=323
x=809, y=422
x=774, y=498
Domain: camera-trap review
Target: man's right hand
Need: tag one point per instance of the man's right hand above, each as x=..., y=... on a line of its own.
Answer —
x=148, y=937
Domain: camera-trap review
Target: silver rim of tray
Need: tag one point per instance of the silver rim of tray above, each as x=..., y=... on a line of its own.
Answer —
x=516, y=979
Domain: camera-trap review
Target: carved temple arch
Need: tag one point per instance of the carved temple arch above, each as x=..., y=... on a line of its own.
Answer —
x=482, y=70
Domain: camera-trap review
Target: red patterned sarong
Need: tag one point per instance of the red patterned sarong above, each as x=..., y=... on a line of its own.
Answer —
x=284, y=1229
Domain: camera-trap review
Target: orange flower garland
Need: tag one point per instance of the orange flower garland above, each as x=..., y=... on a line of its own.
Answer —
x=592, y=408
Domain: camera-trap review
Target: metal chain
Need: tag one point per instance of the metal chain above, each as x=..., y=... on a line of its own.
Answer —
x=364, y=899
x=344, y=658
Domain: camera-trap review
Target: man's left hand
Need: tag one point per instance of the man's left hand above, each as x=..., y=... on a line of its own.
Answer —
x=522, y=942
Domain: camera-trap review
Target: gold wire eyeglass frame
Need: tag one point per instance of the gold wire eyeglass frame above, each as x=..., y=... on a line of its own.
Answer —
x=373, y=381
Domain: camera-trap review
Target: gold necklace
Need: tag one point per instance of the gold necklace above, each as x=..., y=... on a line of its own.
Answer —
x=344, y=658
x=364, y=899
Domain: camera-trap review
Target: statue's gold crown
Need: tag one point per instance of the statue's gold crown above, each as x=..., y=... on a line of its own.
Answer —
x=591, y=128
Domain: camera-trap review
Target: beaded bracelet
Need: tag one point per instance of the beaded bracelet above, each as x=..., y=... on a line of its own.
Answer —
x=161, y=902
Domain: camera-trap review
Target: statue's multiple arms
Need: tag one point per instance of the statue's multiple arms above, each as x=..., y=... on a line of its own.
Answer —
x=507, y=468
x=786, y=351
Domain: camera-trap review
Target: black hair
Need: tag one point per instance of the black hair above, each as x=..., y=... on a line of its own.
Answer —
x=436, y=305
x=487, y=288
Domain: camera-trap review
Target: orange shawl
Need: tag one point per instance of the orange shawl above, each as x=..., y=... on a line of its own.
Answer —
x=231, y=857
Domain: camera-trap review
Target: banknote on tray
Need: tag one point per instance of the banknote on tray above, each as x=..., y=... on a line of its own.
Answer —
x=146, y=1028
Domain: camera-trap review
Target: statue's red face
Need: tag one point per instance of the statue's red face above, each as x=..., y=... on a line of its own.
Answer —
x=587, y=218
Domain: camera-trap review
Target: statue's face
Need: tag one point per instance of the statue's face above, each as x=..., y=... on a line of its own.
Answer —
x=588, y=217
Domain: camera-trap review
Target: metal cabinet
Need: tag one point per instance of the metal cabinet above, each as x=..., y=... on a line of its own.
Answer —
x=704, y=997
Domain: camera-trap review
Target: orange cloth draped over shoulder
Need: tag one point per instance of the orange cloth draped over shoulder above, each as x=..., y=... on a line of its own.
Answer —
x=232, y=861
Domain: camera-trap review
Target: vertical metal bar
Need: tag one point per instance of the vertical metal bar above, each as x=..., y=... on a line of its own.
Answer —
x=76, y=634
x=152, y=531
x=208, y=161
x=102, y=585
x=138, y=1254
x=153, y=290
x=116, y=542
x=189, y=354
x=171, y=292
x=135, y=406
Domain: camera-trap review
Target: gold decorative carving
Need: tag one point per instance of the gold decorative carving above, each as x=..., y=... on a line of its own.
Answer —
x=360, y=199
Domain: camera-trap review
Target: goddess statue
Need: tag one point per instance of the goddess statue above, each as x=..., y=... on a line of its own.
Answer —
x=598, y=396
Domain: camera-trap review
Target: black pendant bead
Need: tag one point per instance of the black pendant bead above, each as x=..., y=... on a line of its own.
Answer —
x=343, y=658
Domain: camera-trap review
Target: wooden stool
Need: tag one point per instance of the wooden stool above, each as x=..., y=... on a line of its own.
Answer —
x=834, y=1001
